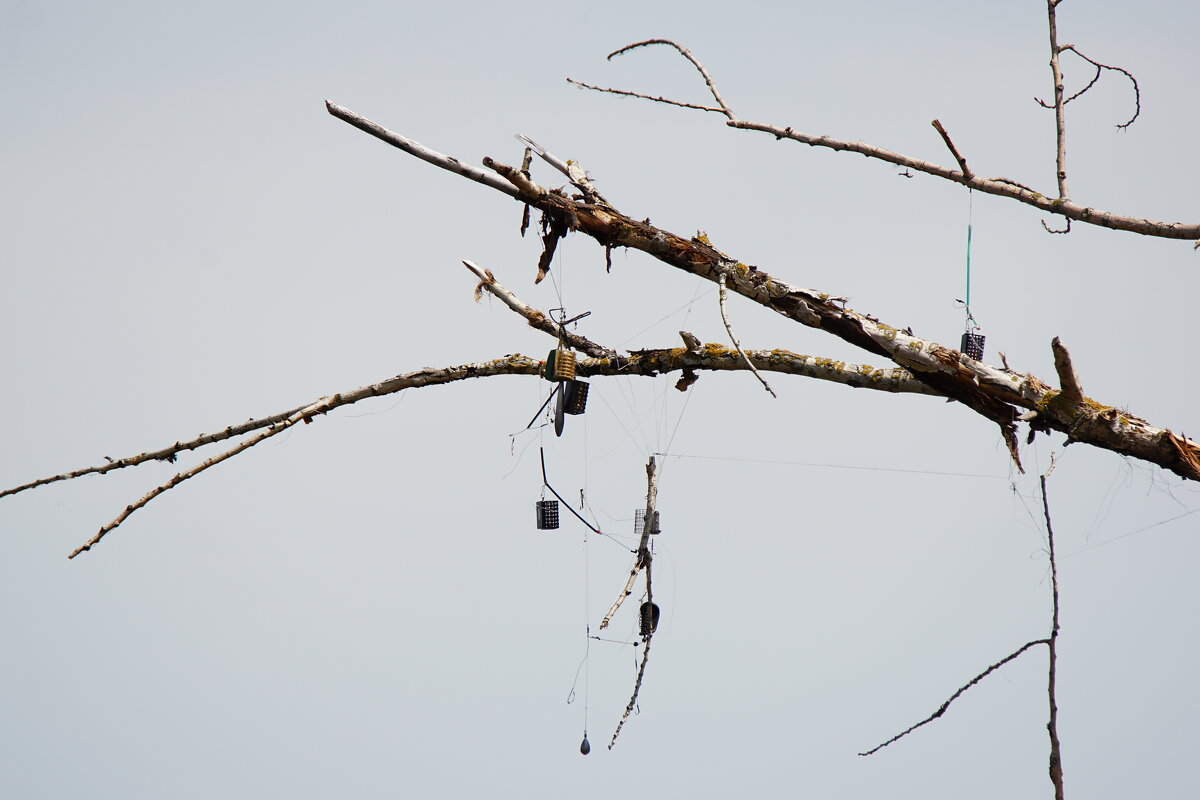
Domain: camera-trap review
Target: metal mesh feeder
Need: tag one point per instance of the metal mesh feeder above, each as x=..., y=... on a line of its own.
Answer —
x=972, y=345
x=576, y=398
x=547, y=515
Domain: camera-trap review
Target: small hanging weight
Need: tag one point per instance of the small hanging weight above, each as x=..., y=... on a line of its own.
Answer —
x=648, y=616
x=547, y=515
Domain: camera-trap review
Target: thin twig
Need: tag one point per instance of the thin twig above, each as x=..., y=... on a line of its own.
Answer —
x=574, y=172
x=962, y=162
x=419, y=150
x=637, y=684
x=1137, y=92
x=643, y=557
x=708, y=79
x=733, y=338
x=646, y=559
x=509, y=365
x=1056, y=770
x=304, y=413
x=956, y=695
x=640, y=96
x=164, y=454
x=537, y=319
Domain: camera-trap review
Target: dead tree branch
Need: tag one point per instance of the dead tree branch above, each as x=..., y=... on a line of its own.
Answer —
x=942, y=709
x=996, y=394
x=1060, y=205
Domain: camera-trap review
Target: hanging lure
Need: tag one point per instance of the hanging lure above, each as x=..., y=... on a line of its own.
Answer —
x=585, y=747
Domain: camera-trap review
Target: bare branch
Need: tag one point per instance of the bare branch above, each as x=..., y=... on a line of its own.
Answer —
x=1056, y=772
x=733, y=338
x=1137, y=92
x=942, y=710
x=1060, y=124
x=962, y=162
x=509, y=365
x=304, y=413
x=1001, y=187
x=712, y=86
x=996, y=394
x=168, y=454
x=1065, y=229
x=643, y=557
x=537, y=319
x=419, y=150
x=640, y=96
x=574, y=172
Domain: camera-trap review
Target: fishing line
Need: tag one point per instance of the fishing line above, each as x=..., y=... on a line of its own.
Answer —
x=834, y=466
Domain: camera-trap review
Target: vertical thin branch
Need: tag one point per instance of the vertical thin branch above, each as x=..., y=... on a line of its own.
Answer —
x=1060, y=123
x=1056, y=771
x=643, y=557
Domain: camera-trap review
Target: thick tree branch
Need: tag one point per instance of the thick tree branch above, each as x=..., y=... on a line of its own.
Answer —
x=1001, y=187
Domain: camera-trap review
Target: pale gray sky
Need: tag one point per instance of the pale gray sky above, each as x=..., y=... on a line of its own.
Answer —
x=363, y=608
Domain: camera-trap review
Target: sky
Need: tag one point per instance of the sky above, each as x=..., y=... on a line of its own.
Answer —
x=363, y=606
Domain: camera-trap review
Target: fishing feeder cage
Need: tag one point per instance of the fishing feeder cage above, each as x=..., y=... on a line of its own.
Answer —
x=648, y=616
x=560, y=365
x=547, y=515
x=639, y=521
x=576, y=399
x=972, y=345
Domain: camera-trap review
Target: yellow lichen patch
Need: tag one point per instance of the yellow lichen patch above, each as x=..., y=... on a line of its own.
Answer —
x=888, y=331
x=715, y=350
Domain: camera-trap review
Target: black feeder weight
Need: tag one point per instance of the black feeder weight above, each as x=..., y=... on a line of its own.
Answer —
x=547, y=515
x=585, y=747
x=648, y=616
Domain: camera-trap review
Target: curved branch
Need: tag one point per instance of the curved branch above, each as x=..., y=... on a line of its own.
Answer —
x=683, y=51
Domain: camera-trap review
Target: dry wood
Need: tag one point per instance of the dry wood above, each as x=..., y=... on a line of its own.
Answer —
x=997, y=394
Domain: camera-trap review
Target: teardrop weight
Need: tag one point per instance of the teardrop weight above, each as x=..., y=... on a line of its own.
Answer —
x=585, y=748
